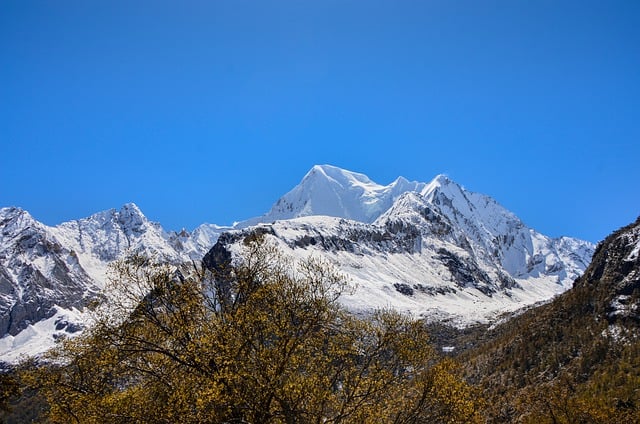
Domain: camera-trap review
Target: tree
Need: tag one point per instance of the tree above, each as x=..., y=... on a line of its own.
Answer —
x=261, y=340
x=8, y=389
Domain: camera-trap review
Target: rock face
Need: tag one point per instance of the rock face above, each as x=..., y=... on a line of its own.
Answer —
x=615, y=271
x=577, y=354
x=49, y=274
x=36, y=273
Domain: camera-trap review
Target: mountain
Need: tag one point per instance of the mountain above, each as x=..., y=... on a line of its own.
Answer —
x=36, y=273
x=328, y=190
x=331, y=191
x=497, y=232
x=433, y=249
x=615, y=271
x=198, y=242
x=576, y=358
x=49, y=274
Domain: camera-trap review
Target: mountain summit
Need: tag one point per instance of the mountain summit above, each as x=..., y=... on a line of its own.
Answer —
x=472, y=217
x=434, y=249
x=332, y=191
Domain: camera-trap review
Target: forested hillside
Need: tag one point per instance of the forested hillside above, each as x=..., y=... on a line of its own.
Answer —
x=576, y=359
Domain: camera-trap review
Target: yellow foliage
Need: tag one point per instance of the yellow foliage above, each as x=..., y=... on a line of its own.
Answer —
x=261, y=341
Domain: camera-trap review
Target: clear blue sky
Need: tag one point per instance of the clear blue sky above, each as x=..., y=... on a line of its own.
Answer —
x=208, y=111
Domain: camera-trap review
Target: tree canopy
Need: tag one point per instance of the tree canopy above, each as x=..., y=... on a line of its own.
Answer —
x=262, y=339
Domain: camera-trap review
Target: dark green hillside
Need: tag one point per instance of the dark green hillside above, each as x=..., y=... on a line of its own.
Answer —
x=576, y=359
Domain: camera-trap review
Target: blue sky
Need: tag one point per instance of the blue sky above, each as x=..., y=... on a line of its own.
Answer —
x=208, y=111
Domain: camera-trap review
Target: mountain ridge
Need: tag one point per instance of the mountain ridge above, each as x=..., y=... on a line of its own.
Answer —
x=473, y=236
x=437, y=224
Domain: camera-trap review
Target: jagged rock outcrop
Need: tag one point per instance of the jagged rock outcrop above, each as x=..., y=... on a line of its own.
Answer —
x=37, y=273
x=615, y=272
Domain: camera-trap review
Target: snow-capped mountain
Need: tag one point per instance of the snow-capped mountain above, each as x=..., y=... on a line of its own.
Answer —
x=107, y=236
x=37, y=272
x=49, y=274
x=433, y=249
x=496, y=232
x=328, y=190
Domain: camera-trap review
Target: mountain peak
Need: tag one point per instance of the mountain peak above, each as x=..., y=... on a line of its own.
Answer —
x=12, y=212
x=131, y=208
x=428, y=242
x=332, y=191
x=131, y=217
x=339, y=175
x=442, y=179
x=400, y=180
x=14, y=217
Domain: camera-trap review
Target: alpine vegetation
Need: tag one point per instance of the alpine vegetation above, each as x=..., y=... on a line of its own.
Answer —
x=259, y=339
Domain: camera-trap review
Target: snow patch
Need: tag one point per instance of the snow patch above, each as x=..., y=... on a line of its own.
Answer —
x=37, y=338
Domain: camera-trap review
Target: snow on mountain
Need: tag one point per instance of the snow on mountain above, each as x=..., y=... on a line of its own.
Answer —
x=40, y=336
x=51, y=273
x=433, y=249
x=615, y=271
x=37, y=272
x=198, y=242
x=328, y=190
x=109, y=235
x=497, y=232
x=408, y=267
